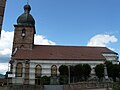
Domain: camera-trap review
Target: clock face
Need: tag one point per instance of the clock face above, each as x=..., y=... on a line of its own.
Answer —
x=23, y=34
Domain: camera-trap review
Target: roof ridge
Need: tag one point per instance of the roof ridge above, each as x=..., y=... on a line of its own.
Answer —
x=72, y=46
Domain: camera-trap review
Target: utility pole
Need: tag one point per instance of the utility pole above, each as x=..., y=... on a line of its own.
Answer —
x=2, y=9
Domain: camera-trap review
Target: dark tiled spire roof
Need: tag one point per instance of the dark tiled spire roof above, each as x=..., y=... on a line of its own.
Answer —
x=26, y=18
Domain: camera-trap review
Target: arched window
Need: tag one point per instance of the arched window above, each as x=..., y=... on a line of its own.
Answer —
x=38, y=70
x=19, y=70
x=22, y=46
x=54, y=70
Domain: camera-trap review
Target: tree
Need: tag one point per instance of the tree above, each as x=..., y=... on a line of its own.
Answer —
x=116, y=71
x=109, y=66
x=99, y=70
x=78, y=70
x=86, y=71
x=119, y=72
x=72, y=74
x=113, y=70
x=116, y=86
x=63, y=69
x=45, y=80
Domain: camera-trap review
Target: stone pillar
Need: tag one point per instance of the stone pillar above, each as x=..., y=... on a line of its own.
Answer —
x=26, y=78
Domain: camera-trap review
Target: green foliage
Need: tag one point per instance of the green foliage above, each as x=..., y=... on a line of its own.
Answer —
x=78, y=69
x=2, y=76
x=63, y=69
x=99, y=70
x=86, y=71
x=63, y=80
x=116, y=86
x=116, y=71
x=72, y=74
x=45, y=80
x=77, y=73
x=109, y=66
x=113, y=70
x=72, y=71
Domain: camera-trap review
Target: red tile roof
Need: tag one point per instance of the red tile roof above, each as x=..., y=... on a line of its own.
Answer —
x=47, y=52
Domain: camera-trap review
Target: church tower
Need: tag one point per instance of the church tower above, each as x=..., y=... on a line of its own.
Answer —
x=2, y=8
x=24, y=30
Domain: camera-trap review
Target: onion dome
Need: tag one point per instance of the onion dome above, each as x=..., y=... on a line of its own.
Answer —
x=26, y=18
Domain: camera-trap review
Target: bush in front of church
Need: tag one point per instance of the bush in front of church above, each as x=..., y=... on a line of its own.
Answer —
x=46, y=80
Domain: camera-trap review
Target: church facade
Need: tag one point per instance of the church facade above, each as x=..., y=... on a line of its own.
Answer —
x=29, y=62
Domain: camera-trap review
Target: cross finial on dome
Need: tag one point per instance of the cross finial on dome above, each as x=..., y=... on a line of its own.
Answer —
x=27, y=8
x=27, y=1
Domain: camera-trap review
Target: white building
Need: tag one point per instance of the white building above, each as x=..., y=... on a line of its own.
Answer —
x=29, y=62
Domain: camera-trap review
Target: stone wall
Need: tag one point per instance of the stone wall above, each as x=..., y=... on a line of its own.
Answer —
x=21, y=87
x=82, y=86
x=3, y=88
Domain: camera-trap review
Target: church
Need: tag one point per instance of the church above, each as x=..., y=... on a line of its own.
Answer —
x=30, y=61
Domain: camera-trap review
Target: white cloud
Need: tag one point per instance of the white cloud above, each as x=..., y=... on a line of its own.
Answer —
x=102, y=40
x=6, y=46
x=42, y=40
x=6, y=43
x=3, y=68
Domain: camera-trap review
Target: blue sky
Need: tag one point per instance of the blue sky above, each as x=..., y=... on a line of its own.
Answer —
x=66, y=22
x=70, y=22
